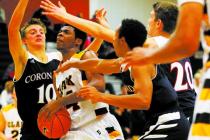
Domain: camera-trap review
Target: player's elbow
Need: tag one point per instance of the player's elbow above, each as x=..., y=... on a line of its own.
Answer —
x=146, y=105
x=143, y=103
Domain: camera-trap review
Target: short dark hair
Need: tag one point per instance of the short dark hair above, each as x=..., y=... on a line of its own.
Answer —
x=134, y=32
x=167, y=12
x=79, y=34
x=33, y=21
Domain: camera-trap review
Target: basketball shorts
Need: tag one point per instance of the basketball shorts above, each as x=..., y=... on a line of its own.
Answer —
x=105, y=127
x=170, y=126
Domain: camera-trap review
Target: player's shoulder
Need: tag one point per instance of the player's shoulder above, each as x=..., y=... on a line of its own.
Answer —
x=150, y=43
x=55, y=55
x=7, y=107
x=181, y=2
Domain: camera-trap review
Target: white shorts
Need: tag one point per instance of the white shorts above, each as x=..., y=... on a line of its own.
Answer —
x=104, y=128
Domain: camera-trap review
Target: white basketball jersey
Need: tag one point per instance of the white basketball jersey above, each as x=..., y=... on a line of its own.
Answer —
x=160, y=40
x=71, y=81
x=13, y=122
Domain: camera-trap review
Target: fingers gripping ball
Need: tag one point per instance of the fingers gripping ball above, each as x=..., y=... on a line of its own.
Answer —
x=55, y=126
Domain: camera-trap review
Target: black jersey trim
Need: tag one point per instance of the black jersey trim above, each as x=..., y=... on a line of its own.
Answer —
x=203, y=118
x=101, y=111
x=207, y=83
x=110, y=129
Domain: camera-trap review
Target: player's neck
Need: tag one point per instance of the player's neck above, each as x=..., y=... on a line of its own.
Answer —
x=161, y=33
x=41, y=55
x=164, y=34
x=39, y=52
x=68, y=54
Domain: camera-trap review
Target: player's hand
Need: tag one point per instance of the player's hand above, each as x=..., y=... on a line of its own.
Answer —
x=58, y=12
x=138, y=56
x=101, y=17
x=51, y=108
x=90, y=93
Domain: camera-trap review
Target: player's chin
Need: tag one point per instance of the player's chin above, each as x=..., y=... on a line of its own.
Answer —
x=40, y=44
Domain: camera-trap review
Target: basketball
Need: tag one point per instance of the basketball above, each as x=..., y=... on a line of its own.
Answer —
x=56, y=126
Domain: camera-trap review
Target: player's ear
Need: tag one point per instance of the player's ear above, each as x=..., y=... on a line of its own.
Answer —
x=24, y=41
x=122, y=40
x=78, y=42
x=159, y=24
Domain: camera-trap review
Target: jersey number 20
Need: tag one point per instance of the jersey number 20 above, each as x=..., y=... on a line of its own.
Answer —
x=180, y=83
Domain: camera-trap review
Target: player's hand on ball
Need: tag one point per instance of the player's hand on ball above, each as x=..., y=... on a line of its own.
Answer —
x=51, y=108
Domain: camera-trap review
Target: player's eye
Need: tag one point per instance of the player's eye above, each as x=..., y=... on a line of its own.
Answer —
x=42, y=32
x=66, y=31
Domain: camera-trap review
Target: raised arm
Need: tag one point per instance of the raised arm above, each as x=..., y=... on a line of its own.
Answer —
x=100, y=17
x=95, y=45
x=92, y=28
x=17, y=51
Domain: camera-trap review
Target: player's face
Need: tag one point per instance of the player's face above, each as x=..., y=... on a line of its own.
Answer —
x=65, y=38
x=152, y=24
x=35, y=36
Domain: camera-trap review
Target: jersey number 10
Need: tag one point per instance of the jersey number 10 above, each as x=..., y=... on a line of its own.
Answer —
x=44, y=93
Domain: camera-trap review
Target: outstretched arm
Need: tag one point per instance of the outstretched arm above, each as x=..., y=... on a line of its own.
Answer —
x=141, y=99
x=108, y=66
x=183, y=43
x=96, y=44
x=18, y=53
x=92, y=28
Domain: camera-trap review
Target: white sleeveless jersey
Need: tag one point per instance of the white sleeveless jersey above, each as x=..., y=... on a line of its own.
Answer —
x=160, y=40
x=71, y=81
x=13, y=122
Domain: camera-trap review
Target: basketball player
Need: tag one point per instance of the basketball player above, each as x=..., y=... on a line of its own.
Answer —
x=151, y=90
x=187, y=103
x=161, y=25
x=185, y=40
x=33, y=70
x=183, y=43
x=10, y=122
x=89, y=121
x=140, y=81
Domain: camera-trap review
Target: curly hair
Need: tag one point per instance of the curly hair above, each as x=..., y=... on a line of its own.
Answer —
x=134, y=32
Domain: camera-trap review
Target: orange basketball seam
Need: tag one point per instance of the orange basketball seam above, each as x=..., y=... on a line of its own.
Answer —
x=60, y=122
